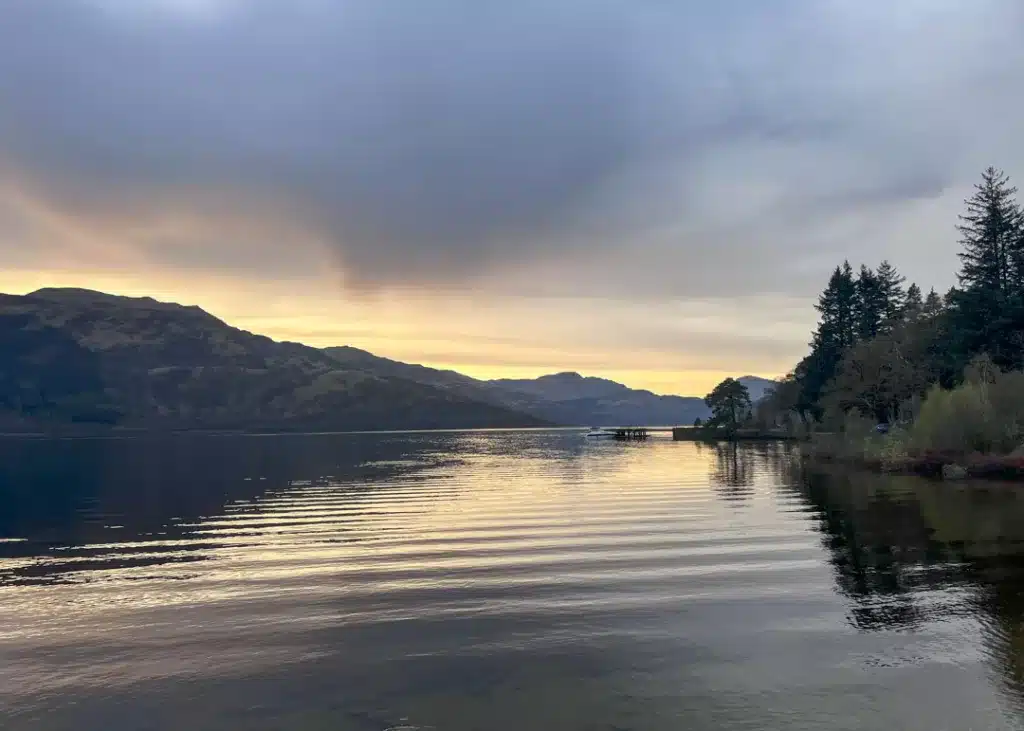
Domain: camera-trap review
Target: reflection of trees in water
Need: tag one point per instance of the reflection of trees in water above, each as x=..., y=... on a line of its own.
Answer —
x=733, y=472
x=907, y=552
x=879, y=545
x=737, y=464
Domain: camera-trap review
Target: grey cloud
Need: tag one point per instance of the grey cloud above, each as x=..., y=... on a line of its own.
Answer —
x=432, y=141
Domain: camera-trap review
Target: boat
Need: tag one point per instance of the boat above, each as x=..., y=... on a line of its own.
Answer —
x=597, y=432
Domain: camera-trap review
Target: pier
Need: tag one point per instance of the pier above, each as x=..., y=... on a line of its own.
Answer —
x=695, y=434
x=631, y=433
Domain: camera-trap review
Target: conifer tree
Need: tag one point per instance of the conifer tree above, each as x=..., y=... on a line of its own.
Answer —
x=986, y=305
x=913, y=303
x=870, y=304
x=837, y=305
x=890, y=284
x=837, y=331
x=990, y=231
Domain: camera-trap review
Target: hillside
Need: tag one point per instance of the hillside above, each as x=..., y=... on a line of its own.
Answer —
x=574, y=399
x=76, y=356
x=757, y=387
x=563, y=398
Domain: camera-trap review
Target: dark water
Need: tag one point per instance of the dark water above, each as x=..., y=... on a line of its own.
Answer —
x=523, y=580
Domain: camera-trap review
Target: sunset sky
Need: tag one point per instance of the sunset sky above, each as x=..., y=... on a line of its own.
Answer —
x=643, y=190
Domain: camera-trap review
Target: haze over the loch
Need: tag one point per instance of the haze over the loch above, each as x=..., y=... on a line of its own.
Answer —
x=651, y=192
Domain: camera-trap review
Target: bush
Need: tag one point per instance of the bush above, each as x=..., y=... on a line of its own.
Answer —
x=985, y=415
x=960, y=420
x=979, y=424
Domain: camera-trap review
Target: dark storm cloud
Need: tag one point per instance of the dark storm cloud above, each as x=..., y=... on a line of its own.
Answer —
x=430, y=140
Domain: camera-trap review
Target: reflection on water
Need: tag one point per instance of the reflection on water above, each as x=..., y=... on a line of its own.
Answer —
x=505, y=580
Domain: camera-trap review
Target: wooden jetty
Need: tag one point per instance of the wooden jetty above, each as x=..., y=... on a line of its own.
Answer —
x=704, y=434
x=695, y=434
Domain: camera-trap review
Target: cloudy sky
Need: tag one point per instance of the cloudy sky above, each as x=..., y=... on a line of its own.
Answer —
x=647, y=190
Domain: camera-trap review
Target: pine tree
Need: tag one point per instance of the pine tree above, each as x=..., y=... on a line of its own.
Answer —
x=870, y=304
x=838, y=307
x=890, y=283
x=836, y=332
x=986, y=308
x=990, y=231
x=913, y=303
x=933, y=304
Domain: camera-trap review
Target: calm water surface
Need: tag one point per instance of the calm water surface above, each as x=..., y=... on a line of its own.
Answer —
x=517, y=580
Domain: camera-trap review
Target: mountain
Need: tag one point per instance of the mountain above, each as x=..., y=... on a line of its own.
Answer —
x=570, y=398
x=562, y=398
x=566, y=386
x=77, y=356
x=757, y=387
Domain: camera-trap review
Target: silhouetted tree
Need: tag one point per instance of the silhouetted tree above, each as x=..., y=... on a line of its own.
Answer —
x=913, y=304
x=837, y=330
x=985, y=307
x=893, y=297
x=730, y=405
x=870, y=304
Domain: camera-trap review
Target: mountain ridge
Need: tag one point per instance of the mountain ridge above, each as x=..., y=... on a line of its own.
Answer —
x=89, y=358
x=565, y=397
x=79, y=355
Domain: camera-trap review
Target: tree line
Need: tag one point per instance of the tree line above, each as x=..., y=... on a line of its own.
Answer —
x=881, y=344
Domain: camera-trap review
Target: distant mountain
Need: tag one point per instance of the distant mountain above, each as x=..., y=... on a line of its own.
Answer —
x=84, y=357
x=757, y=387
x=77, y=356
x=563, y=398
x=570, y=398
x=567, y=386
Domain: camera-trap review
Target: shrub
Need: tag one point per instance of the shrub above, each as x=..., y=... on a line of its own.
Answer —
x=985, y=415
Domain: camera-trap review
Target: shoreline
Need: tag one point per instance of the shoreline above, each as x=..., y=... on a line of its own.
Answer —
x=935, y=464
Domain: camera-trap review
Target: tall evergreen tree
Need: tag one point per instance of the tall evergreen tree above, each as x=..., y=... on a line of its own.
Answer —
x=837, y=331
x=890, y=283
x=913, y=303
x=987, y=303
x=870, y=304
x=838, y=308
x=933, y=304
x=990, y=231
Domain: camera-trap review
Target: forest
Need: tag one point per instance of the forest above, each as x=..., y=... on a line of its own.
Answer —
x=897, y=372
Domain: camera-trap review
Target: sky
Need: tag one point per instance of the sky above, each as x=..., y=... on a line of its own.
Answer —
x=644, y=190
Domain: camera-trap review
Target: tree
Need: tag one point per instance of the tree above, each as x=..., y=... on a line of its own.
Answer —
x=779, y=405
x=876, y=377
x=990, y=232
x=934, y=304
x=894, y=299
x=870, y=303
x=838, y=306
x=986, y=308
x=879, y=343
x=730, y=405
x=913, y=304
x=837, y=330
